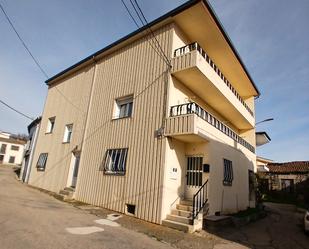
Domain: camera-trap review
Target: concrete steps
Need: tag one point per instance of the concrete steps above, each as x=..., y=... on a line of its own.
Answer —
x=181, y=218
x=178, y=225
x=66, y=194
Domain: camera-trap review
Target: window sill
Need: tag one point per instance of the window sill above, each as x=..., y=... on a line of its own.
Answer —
x=227, y=184
x=66, y=142
x=115, y=173
x=40, y=169
x=121, y=118
x=46, y=133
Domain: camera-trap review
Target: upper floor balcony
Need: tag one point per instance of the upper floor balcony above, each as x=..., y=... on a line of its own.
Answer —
x=191, y=123
x=194, y=68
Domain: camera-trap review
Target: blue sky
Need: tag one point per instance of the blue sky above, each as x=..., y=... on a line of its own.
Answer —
x=271, y=36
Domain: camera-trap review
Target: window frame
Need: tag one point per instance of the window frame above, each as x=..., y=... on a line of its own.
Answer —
x=3, y=148
x=50, y=125
x=127, y=102
x=12, y=157
x=66, y=137
x=228, y=174
x=14, y=147
x=111, y=158
x=42, y=159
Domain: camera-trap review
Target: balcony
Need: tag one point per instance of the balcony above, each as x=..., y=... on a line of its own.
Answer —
x=194, y=68
x=188, y=122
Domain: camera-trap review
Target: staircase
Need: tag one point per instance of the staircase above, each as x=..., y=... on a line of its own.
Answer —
x=181, y=218
x=188, y=215
x=66, y=194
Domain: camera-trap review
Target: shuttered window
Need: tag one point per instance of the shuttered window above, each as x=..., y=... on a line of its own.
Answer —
x=227, y=172
x=115, y=161
x=41, y=164
x=124, y=107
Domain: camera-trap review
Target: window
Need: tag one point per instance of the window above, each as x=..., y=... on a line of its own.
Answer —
x=227, y=172
x=115, y=161
x=124, y=107
x=12, y=159
x=3, y=148
x=15, y=147
x=68, y=133
x=50, y=125
x=41, y=164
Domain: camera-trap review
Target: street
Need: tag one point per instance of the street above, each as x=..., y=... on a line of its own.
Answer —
x=33, y=219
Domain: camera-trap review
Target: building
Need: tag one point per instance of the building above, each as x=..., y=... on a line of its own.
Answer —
x=33, y=131
x=11, y=148
x=154, y=135
x=288, y=177
x=261, y=164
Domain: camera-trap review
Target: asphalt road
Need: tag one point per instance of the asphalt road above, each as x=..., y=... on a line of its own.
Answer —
x=31, y=219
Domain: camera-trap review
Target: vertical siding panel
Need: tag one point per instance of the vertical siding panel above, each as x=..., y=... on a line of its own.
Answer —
x=128, y=70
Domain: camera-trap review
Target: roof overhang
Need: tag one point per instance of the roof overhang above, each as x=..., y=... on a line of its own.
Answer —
x=262, y=168
x=200, y=23
x=262, y=138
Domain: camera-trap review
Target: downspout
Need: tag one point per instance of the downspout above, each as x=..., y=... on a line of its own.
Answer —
x=161, y=131
x=33, y=147
x=86, y=120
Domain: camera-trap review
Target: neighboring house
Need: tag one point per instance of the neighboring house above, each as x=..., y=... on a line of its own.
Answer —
x=134, y=135
x=289, y=177
x=33, y=131
x=11, y=148
x=261, y=164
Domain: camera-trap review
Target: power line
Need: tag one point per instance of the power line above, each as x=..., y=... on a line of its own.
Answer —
x=138, y=26
x=15, y=110
x=154, y=48
x=33, y=58
x=23, y=43
x=141, y=12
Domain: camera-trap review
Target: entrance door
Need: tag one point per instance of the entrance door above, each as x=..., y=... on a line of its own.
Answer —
x=75, y=171
x=1, y=159
x=194, y=175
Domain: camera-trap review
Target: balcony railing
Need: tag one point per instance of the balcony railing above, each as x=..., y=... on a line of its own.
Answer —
x=195, y=46
x=193, y=108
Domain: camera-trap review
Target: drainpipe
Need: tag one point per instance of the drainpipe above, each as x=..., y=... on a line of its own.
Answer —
x=87, y=116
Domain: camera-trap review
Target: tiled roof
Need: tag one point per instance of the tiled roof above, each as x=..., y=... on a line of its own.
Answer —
x=289, y=167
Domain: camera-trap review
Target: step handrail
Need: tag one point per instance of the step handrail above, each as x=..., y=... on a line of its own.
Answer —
x=200, y=199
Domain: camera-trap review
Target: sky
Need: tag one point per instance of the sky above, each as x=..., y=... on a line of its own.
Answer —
x=271, y=37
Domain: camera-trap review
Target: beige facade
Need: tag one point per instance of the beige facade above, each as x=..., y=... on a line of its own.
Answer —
x=158, y=136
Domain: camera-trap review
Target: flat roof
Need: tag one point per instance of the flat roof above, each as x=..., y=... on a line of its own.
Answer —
x=154, y=22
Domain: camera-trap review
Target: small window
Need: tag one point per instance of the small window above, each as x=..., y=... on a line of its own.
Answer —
x=115, y=161
x=130, y=209
x=41, y=164
x=124, y=107
x=15, y=147
x=68, y=133
x=50, y=125
x=227, y=172
x=3, y=148
x=12, y=159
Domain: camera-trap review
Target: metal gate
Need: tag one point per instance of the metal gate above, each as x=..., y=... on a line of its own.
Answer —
x=194, y=175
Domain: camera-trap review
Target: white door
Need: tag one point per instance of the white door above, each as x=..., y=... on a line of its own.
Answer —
x=194, y=176
x=73, y=173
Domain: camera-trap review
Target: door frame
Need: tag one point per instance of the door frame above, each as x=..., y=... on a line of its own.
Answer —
x=196, y=167
x=74, y=156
